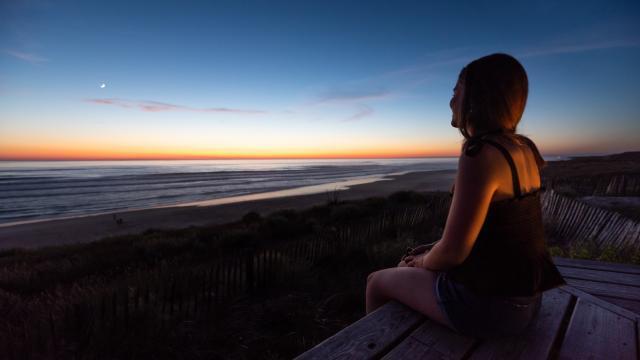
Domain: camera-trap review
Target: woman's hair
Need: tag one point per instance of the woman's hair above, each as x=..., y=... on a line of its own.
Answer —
x=495, y=95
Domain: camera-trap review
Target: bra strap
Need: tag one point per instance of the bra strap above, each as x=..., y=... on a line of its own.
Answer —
x=514, y=172
x=534, y=149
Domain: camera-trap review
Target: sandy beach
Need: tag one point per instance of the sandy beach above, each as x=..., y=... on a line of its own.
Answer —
x=96, y=227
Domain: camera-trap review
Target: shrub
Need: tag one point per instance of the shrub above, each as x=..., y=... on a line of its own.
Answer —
x=251, y=217
x=344, y=213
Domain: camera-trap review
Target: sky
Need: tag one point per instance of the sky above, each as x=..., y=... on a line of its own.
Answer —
x=300, y=79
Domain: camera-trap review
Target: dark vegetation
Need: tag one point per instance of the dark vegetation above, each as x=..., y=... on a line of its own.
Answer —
x=265, y=287
x=611, y=175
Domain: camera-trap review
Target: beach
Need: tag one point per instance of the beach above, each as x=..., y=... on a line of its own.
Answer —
x=568, y=175
x=95, y=227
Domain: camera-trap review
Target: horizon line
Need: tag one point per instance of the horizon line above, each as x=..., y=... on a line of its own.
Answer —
x=281, y=157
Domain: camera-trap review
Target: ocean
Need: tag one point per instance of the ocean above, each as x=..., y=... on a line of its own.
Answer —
x=38, y=190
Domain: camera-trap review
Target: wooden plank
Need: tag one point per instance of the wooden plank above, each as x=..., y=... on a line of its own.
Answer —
x=432, y=341
x=631, y=305
x=596, y=333
x=370, y=337
x=537, y=342
x=599, y=275
x=597, y=265
x=602, y=303
x=607, y=289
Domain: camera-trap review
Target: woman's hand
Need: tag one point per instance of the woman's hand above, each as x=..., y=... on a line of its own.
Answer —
x=416, y=260
x=413, y=252
x=421, y=249
x=413, y=260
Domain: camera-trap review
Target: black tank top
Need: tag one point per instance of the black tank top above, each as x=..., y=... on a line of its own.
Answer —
x=509, y=257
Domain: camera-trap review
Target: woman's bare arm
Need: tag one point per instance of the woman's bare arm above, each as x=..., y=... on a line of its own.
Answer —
x=476, y=181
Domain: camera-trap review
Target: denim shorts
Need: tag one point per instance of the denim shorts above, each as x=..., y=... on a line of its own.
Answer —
x=484, y=316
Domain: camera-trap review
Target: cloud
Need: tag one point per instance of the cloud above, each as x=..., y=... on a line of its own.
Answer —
x=363, y=111
x=576, y=48
x=156, y=106
x=351, y=95
x=408, y=77
x=31, y=58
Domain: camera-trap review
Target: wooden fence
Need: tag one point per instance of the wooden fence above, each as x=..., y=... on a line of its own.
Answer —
x=568, y=220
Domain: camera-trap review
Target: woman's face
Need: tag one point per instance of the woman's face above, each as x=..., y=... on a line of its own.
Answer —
x=456, y=102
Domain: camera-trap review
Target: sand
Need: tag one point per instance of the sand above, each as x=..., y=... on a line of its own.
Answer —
x=96, y=227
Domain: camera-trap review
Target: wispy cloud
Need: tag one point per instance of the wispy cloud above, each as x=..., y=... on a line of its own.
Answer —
x=351, y=95
x=408, y=77
x=351, y=98
x=576, y=48
x=31, y=58
x=156, y=106
x=363, y=111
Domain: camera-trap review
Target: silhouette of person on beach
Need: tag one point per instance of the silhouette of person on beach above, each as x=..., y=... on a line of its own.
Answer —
x=486, y=274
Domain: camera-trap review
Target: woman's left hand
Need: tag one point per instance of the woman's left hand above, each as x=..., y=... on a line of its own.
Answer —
x=415, y=260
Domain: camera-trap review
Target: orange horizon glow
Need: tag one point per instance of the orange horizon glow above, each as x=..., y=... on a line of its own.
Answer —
x=121, y=149
x=95, y=157
x=96, y=154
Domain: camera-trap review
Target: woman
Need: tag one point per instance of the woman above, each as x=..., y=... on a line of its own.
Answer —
x=486, y=275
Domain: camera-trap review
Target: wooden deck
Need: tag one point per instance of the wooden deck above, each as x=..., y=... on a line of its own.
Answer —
x=590, y=318
x=616, y=283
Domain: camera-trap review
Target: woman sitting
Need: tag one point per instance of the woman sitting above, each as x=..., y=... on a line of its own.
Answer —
x=486, y=275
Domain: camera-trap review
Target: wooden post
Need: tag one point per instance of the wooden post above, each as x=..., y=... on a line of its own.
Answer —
x=103, y=310
x=179, y=295
x=249, y=271
x=257, y=267
x=263, y=270
x=209, y=287
x=114, y=309
x=267, y=267
x=54, y=342
x=137, y=298
x=162, y=296
x=217, y=286
x=227, y=273
x=198, y=284
x=172, y=297
x=234, y=274
x=125, y=306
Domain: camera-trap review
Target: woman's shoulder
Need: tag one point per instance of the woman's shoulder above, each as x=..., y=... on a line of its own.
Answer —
x=510, y=144
x=477, y=148
x=479, y=161
x=520, y=143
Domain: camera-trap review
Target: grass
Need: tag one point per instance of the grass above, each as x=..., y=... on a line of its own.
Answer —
x=590, y=250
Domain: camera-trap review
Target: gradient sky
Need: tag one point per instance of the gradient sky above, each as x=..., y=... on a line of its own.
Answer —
x=218, y=79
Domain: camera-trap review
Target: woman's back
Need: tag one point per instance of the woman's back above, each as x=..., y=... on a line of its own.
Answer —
x=509, y=256
x=525, y=164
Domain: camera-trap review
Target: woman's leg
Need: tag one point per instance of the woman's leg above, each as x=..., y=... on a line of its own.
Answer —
x=414, y=287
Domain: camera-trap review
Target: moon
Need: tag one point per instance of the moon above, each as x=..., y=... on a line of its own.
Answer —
x=103, y=85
